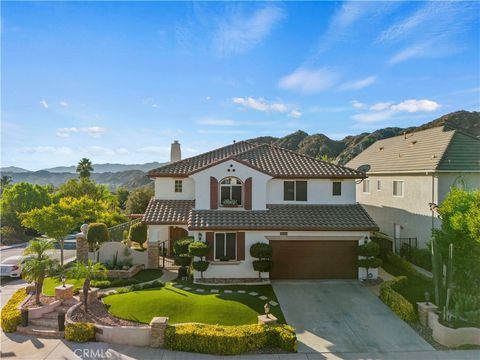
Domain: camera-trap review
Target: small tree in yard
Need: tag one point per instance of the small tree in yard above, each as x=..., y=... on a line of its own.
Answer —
x=97, y=233
x=370, y=251
x=263, y=252
x=88, y=272
x=182, y=256
x=199, y=249
x=40, y=265
x=138, y=233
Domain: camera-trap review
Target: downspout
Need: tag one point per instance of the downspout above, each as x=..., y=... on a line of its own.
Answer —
x=433, y=202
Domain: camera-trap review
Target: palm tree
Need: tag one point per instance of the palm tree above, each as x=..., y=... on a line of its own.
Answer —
x=5, y=181
x=88, y=272
x=84, y=168
x=40, y=265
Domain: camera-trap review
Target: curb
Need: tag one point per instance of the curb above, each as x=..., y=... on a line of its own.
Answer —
x=8, y=247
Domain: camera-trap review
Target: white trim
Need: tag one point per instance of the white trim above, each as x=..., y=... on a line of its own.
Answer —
x=422, y=172
x=224, y=244
x=363, y=184
x=403, y=188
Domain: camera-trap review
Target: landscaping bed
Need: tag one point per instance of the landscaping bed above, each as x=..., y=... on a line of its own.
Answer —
x=98, y=314
x=195, y=303
x=44, y=300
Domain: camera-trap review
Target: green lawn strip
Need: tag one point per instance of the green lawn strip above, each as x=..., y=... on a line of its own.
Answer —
x=142, y=276
x=414, y=290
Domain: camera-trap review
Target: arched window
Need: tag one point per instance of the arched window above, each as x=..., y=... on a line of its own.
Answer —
x=231, y=192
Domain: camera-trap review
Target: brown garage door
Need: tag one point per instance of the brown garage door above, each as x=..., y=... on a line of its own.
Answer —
x=325, y=259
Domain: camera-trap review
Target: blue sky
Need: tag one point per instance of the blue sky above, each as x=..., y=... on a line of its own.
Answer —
x=117, y=82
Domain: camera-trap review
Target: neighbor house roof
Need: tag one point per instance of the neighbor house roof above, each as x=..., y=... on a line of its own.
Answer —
x=271, y=160
x=168, y=212
x=285, y=217
x=439, y=148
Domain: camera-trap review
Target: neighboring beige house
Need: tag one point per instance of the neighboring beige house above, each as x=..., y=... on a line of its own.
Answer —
x=407, y=173
x=241, y=194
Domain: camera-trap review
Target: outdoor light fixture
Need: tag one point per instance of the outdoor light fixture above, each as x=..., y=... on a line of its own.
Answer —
x=433, y=207
x=267, y=309
x=427, y=297
x=63, y=278
x=200, y=236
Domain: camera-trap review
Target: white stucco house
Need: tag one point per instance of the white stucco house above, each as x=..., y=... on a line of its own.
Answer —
x=241, y=194
x=409, y=174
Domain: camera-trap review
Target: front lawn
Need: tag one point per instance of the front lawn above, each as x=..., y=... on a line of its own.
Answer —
x=143, y=276
x=190, y=306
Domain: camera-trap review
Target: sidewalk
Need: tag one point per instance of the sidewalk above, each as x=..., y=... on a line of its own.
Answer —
x=6, y=247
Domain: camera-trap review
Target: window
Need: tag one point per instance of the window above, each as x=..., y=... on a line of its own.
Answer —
x=379, y=185
x=397, y=188
x=230, y=192
x=366, y=186
x=178, y=185
x=295, y=190
x=337, y=188
x=225, y=246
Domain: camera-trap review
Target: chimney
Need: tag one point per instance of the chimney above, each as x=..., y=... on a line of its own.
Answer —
x=175, y=152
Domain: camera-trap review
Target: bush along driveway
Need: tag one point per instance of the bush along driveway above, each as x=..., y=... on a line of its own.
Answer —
x=185, y=302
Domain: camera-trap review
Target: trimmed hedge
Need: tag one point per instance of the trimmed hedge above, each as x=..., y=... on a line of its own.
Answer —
x=80, y=332
x=399, y=305
x=229, y=340
x=11, y=317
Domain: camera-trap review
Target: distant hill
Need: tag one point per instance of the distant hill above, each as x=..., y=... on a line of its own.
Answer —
x=13, y=169
x=344, y=150
x=103, y=168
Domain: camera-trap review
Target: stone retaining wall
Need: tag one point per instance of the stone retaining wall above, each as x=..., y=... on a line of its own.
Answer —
x=125, y=274
x=452, y=337
x=124, y=335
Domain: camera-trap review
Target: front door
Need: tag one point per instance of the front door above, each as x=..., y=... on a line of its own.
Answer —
x=176, y=233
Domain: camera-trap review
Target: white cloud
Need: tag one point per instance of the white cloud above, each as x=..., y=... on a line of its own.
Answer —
x=357, y=84
x=238, y=33
x=373, y=117
x=380, y=106
x=295, y=114
x=61, y=150
x=216, y=122
x=156, y=150
x=309, y=81
x=93, y=131
x=64, y=103
x=44, y=103
x=325, y=109
x=358, y=105
x=208, y=98
x=260, y=104
x=416, y=106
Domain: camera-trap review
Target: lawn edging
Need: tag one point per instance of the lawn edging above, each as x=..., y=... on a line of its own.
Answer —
x=452, y=337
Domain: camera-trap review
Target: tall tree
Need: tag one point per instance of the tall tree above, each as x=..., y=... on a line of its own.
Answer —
x=122, y=196
x=5, y=182
x=88, y=272
x=84, y=168
x=39, y=265
x=138, y=200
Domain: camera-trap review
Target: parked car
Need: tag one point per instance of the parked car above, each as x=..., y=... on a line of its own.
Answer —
x=69, y=242
x=12, y=266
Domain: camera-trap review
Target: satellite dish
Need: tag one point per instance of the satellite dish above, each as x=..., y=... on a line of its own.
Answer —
x=364, y=168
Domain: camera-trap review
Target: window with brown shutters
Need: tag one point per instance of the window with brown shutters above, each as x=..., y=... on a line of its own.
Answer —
x=240, y=246
x=213, y=193
x=248, y=194
x=209, y=239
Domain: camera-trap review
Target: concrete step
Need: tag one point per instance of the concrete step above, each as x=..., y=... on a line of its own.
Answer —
x=51, y=315
x=44, y=322
x=40, y=331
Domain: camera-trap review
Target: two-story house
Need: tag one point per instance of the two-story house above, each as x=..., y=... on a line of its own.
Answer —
x=241, y=194
x=409, y=175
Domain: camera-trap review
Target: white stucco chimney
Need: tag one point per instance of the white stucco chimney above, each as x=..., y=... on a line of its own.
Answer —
x=175, y=152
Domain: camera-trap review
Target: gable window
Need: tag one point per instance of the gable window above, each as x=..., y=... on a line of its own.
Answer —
x=366, y=186
x=225, y=246
x=231, y=192
x=295, y=190
x=379, y=185
x=398, y=188
x=337, y=188
x=178, y=185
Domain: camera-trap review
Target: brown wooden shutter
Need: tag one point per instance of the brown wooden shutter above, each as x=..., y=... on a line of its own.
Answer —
x=240, y=246
x=213, y=193
x=209, y=239
x=248, y=194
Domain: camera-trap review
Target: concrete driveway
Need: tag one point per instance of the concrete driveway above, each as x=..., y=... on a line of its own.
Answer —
x=343, y=316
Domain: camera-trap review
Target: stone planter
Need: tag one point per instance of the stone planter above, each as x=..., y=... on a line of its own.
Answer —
x=124, y=274
x=64, y=293
x=92, y=295
x=452, y=337
x=423, y=309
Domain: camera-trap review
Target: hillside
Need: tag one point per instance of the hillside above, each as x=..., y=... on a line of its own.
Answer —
x=344, y=150
x=104, y=168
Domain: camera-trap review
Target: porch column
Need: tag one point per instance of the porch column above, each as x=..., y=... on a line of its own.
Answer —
x=152, y=255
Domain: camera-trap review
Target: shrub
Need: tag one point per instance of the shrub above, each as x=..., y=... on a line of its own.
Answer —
x=138, y=233
x=386, y=246
x=399, y=305
x=370, y=263
x=261, y=251
x=263, y=265
x=101, y=284
x=11, y=316
x=182, y=260
x=80, y=332
x=420, y=257
x=123, y=282
x=97, y=233
x=153, y=284
x=136, y=287
x=180, y=247
x=228, y=340
x=200, y=265
x=402, y=264
x=198, y=248
x=122, y=290
x=369, y=249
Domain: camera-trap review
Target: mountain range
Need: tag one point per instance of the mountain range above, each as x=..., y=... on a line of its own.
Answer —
x=315, y=145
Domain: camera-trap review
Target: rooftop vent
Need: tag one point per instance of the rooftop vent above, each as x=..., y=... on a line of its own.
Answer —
x=412, y=143
x=380, y=148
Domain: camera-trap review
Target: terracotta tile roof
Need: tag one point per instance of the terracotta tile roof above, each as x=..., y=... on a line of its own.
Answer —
x=272, y=160
x=285, y=217
x=168, y=212
x=439, y=148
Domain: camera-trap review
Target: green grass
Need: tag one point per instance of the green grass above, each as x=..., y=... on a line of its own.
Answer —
x=51, y=282
x=414, y=290
x=189, y=306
